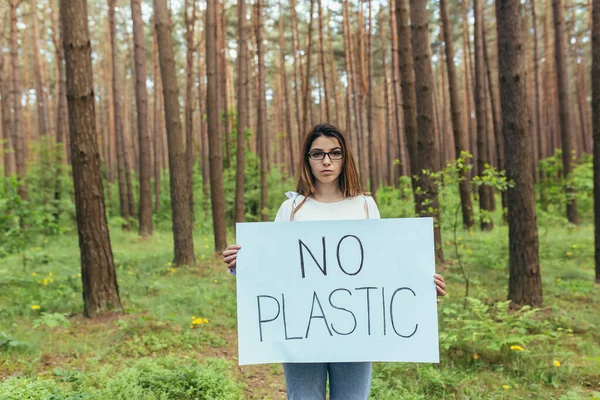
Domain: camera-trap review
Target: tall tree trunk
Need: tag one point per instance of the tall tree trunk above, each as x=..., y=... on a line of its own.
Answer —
x=403, y=167
x=409, y=100
x=541, y=138
x=222, y=65
x=6, y=117
x=203, y=148
x=372, y=145
x=41, y=96
x=525, y=286
x=286, y=102
x=334, y=78
x=458, y=129
x=306, y=83
x=326, y=93
x=389, y=165
x=564, y=102
x=118, y=123
x=18, y=138
x=182, y=222
x=262, y=109
x=98, y=275
x=190, y=22
x=158, y=133
x=298, y=78
x=596, y=126
x=485, y=192
x=498, y=143
x=243, y=92
x=141, y=97
x=214, y=132
x=348, y=69
x=427, y=199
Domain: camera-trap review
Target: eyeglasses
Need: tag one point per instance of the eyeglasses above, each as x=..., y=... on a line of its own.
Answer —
x=318, y=155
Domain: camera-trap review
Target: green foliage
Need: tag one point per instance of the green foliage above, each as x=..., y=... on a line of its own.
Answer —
x=145, y=379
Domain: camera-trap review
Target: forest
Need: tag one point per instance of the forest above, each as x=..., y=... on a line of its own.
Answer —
x=134, y=135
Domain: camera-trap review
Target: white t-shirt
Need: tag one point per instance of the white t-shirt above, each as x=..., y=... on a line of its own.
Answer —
x=358, y=207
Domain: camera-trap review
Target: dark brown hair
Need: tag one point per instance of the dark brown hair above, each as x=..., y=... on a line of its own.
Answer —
x=348, y=179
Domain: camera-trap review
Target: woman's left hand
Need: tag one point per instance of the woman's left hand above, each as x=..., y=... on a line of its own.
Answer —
x=440, y=284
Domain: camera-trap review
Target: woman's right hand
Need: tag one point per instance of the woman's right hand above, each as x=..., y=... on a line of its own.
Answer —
x=230, y=255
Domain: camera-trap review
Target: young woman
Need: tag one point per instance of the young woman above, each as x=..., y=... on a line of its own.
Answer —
x=328, y=188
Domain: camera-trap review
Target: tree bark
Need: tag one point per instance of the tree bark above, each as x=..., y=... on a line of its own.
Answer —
x=409, y=101
x=286, y=102
x=485, y=192
x=243, y=92
x=189, y=100
x=564, y=101
x=18, y=135
x=525, y=286
x=158, y=133
x=541, y=138
x=214, y=132
x=403, y=167
x=41, y=96
x=427, y=199
x=118, y=123
x=389, y=165
x=262, y=110
x=182, y=222
x=372, y=144
x=596, y=126
x=100, y=287
x=322, y=63
x=458, y=129
x=306, y=84
x=6, y=117
x=141, y=97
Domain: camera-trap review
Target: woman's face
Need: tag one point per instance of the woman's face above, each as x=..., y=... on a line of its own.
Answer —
x=329, y=168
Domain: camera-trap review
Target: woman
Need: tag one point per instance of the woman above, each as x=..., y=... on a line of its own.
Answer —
x=328, y=188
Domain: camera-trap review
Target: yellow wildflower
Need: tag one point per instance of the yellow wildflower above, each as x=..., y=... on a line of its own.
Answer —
x=169, y=264
x=469, y=251
x=216, y=281
x=447, y=243
x=575, y=246
x=35, y=307
x=50, y=274
x=129, y=273
x=506, y=387
x=206, y=246
x=205, y=321
x=557, y=279
x=516, y=347
x=556, y=363
x=79, y=275
x=475, y=356
x=33, y=274
x=569, y=253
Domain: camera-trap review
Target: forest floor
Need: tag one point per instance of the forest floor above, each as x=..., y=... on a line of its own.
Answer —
x=154, y=345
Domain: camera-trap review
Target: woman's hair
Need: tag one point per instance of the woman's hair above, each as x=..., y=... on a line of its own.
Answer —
x=348, y=179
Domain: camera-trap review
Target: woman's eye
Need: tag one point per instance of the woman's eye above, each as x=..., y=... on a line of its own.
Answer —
x=317, y=154
x=337, y=153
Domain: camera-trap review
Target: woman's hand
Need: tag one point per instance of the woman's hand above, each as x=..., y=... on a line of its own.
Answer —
x=230, y=255
x=440, y=284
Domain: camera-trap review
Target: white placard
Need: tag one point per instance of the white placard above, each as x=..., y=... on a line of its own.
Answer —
x=337, y=291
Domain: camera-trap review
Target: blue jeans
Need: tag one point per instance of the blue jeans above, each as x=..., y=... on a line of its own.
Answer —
x=347, y=381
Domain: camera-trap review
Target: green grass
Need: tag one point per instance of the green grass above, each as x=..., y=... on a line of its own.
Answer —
x=150, y=350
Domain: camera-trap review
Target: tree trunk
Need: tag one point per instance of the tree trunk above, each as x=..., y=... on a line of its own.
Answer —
x=541, y=138
x=458, y=129
x=189, y=100
x=372, y=145
x=596, y=126
x=403, y=168
x=306, y=84
x=564, y=102
x=409, y=101
x=427, y=199
x=525, y=286
x=98, y=275
x=118, y=123
x=6, y=117
x=243, y=92
x=262, y=109
x=41, y=96
x=156, y=97
x=214, y=132
x=485, y=192
x=141, y=97
x=18, y=137
x=326, y=93
x=348, y=70
x=389, y=165
x=286, y=102
x=182, y=222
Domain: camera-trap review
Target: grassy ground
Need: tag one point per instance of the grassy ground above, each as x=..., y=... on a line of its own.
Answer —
x=155, y=350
